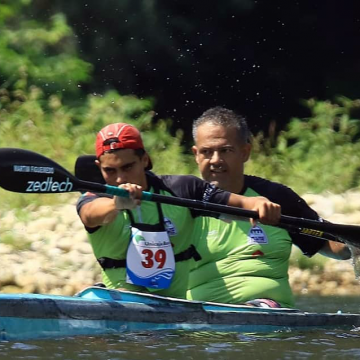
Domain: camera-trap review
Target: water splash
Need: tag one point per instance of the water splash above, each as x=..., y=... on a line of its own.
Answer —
x=355, y=254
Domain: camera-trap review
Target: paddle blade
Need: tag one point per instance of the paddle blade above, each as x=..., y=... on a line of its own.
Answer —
x=25, y=171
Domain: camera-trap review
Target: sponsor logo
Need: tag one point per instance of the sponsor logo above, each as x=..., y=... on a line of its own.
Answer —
x=210, y=189
x=170, y=227
x=257, y=253
x=34, y=169
x=312, y=232
x=49, y=185
x=256, y=235
x=157, y=244
x=139, y=238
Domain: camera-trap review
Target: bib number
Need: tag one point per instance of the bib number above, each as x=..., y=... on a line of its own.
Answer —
x=150, y=259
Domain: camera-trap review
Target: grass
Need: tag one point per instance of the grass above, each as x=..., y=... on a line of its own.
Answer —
x=25, y=203
x=17, y=243
x=299, y=260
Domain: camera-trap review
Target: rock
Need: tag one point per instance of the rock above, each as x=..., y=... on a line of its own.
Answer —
x=5, y=249
x=321, y=205
x=9, y=220
x=65, y=244
x=42, y=224
x=7, y=278
x=12, y=289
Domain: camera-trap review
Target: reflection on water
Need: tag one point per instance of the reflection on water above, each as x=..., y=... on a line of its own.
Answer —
x=180, y=345
x=197, y=346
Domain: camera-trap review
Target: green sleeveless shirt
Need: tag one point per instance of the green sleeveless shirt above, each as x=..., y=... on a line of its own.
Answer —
x=111, y=240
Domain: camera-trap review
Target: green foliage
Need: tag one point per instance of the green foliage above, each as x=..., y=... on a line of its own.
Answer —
x=42, y=54
x=32, y=121
x=42, y=72
x=314, y=154
x=315, y=263
x=43, y=108
x=17, y=243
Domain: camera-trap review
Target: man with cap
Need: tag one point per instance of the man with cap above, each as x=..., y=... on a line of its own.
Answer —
x=147, y=246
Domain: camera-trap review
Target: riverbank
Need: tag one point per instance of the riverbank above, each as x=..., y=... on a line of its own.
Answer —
x=47, y=251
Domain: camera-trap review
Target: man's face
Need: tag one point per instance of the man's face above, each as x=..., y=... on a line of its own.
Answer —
x=221, y=156
x=123, y=166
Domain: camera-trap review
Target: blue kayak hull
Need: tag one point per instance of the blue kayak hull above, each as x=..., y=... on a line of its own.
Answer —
x=98, y=311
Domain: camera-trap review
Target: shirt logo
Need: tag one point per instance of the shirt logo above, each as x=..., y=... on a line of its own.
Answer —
x=139, y=238
x=210, y=189
x=257, y=253
x=170, y=227
x=256, y=235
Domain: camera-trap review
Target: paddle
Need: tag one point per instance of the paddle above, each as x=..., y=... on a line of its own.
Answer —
x=25, y=171
x=86, y=169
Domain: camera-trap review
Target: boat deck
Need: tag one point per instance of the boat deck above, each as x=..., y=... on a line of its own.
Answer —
x=99, y=311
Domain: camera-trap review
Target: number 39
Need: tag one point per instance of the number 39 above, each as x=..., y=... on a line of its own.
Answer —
x=150, y=257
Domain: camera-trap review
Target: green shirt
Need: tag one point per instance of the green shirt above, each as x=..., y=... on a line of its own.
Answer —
x=112, y=240
x=240, y=263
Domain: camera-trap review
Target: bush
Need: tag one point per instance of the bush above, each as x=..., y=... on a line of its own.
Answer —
x=43, y=107
x=315, y=263
x=30, y=120
x=313, y=154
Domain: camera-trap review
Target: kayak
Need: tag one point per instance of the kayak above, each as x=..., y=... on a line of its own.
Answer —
x=99, y=311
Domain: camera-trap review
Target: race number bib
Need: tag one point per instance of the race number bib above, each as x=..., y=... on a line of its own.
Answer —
x=150, y=260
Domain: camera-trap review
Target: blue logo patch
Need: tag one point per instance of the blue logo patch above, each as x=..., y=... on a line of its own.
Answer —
x=256, y=235
x=170, y=227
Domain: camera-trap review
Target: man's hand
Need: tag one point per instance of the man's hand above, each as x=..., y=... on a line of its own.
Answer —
x=269, y=212
x=135, y=192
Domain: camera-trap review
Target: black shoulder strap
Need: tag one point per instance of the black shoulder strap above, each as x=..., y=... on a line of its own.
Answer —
x=160, y=226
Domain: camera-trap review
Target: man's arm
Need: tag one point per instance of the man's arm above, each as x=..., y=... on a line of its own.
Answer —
x=192, y=187
x=269, y=212
x=103, y=210
x=97, y=212
x=293, y=205
x=336, y=250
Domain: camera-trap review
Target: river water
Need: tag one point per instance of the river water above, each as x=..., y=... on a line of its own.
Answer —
x=179, y=345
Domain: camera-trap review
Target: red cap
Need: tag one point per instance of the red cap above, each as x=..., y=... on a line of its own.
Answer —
x=124, y=136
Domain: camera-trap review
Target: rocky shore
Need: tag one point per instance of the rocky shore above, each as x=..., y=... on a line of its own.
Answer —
x=334, y=277
x=48, y=251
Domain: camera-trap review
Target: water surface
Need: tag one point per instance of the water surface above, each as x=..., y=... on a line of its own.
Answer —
x=180, y=345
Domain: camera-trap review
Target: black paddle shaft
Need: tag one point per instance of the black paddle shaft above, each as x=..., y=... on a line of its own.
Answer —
x=25, y=171
x=313, y=228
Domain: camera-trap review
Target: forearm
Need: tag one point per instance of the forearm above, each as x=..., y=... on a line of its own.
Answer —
x=336, y=250
x=98, y=212
x=269, y=212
